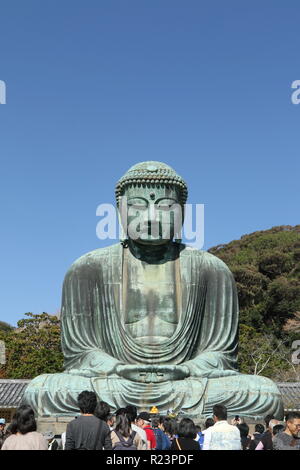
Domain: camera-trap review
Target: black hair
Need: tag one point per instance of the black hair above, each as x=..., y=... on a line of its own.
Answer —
x=277, y=428
x=220, y=411
x=268, y=419
x=23, y=420
x=155, y=422
x=123, y=425
x=102, y=410
x=121, y=411
x=161, y=419
x=131, y=412
x=209, y=422
x=292, y=415
x=169, y=425
x=244, y=429
x=259, y=428
x=87, y=402
x=187, y=428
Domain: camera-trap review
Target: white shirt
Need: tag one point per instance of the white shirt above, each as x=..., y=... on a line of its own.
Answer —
x=141, y=432
x=222, y=436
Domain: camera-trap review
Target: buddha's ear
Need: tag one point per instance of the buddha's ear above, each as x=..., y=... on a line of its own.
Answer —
x=122, y=218
x=178, y=227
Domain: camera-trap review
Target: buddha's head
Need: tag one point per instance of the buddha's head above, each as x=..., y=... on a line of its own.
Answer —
x=150, y=198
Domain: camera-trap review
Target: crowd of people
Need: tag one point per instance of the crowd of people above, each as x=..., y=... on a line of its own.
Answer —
x=96, y=428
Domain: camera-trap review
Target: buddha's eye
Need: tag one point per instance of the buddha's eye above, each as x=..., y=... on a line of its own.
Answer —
x=164, y=207
x=137, y=205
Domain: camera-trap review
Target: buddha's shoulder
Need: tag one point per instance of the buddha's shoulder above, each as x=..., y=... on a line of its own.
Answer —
x=206, y=259
x=96, y=257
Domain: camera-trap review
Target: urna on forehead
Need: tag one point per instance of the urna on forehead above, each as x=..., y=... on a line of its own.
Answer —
x=152, y=174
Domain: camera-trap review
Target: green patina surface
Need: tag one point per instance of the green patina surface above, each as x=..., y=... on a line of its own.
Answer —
x=152, y=321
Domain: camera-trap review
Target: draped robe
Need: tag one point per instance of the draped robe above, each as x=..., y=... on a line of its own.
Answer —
x=95, y=341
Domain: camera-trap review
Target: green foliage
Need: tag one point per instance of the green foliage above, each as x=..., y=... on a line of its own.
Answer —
x=261, y=354
x=33, y=348
x=266, y=268
x=5, y=327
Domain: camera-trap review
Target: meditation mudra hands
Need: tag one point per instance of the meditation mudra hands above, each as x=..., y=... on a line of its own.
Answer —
x=99, y=364
x=152, y=373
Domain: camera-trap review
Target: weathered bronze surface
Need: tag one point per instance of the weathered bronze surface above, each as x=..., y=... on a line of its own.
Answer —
x=151, y=321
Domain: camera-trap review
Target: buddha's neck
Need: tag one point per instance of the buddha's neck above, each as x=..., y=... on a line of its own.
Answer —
x=150, y=253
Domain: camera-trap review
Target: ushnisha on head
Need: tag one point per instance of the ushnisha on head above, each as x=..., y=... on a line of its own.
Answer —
x=152, y=174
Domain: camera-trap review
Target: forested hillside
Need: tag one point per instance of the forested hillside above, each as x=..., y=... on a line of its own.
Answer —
x=266, y=267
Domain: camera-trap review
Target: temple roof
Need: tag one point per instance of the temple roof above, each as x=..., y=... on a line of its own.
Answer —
x=11, y=392
x=290, y=392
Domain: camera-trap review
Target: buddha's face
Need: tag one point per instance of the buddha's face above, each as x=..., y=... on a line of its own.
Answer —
x=151, y=215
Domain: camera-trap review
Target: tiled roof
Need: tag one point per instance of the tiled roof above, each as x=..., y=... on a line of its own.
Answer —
x=11, y=392
x=290, y=392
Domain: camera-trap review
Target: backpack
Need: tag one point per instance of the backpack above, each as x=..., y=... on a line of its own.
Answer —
x=123, y=444
x=201, y=439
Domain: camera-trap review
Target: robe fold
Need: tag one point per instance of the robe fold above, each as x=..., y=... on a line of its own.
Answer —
x=95, y=341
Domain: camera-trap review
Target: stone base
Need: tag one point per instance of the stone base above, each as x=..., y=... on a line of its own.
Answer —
x=55, y=425
x=58, y=425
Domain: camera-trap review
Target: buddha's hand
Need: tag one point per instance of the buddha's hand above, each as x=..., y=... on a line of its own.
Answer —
x=152, y=374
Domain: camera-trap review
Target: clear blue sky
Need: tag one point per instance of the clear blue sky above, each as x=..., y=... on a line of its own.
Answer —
x=95, y=86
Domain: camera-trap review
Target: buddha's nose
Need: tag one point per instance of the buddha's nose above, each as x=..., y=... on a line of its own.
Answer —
x=152, y=214
x=151, y=220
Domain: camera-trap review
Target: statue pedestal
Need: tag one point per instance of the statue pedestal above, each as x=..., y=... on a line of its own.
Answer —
x=55, y=425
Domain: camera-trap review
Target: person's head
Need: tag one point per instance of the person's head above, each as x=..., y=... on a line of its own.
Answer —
x=48, y=435
x=23, y=420
x=292, y=420
x=169, y=425
x=121, y=411
x=259, y=428
x=9, y=430
x=187, y=428
x=244, y=429
x=161, y=422
x=278, y=428
x=131, y=412
x=155, y=422
x=209, y=422
x=268, y=419
x=123, y=425
x=150, y=198
x=220, y=413
x=2, y=424
x=143, y=419
x=111, y=420
x=102, y=410
x=198, y=429
x=272, y=423
x=87, y=402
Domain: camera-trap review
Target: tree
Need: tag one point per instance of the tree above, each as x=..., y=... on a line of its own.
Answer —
x=264, y=354
x=266, y=268
x=5, y=327
x=33, y=348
